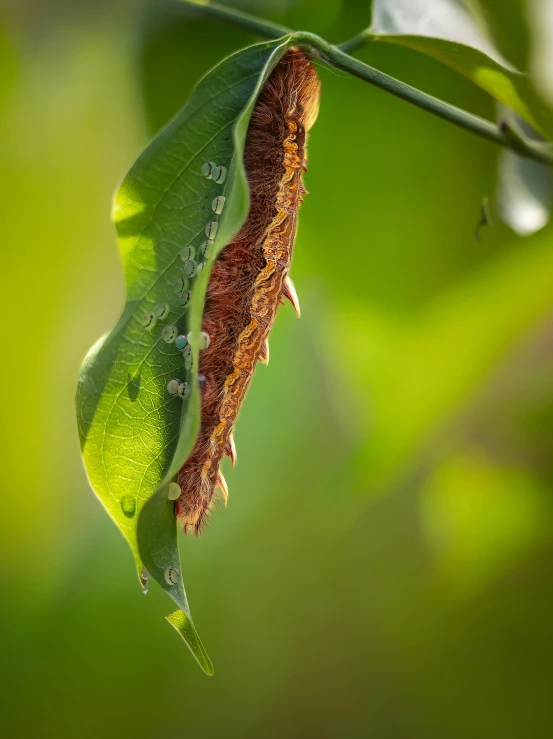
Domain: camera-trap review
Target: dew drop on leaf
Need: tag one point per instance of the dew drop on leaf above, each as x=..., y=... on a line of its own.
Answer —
x=187, y=252
x=218, y=174
x=211, y=229
x=174, y=491
x=184, y=297
x=169, y=333
x=189, y=268
x=161, y=311
x=180, y=284
x=180, y=342
x=149, y=321
x=218, y=204
x=171, y=575
x=173, y=386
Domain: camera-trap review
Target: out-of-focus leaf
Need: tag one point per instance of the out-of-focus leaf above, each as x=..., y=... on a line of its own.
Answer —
x=8, y=68
x=525, y=187
x=445, y=19
x=445, y=353
x=479, y=519
x=540, y=19
x=134, y=435
x=447, y=31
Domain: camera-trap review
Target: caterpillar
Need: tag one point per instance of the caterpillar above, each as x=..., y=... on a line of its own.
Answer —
x=250, y=278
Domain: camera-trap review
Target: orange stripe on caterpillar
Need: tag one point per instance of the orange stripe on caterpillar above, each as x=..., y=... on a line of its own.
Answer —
x=249, y=279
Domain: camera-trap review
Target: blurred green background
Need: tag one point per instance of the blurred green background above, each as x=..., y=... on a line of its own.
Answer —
x=384, y=567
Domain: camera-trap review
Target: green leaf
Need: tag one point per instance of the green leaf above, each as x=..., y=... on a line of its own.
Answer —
x=445, y=19
x=525, y=187
x=157, y=543
x=446, y=31
x=134, y=435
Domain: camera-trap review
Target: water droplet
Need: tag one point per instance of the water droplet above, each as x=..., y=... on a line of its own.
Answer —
x=128, y=505
x=218, y=174
x=189, y=268
x=173, y=492
x=206, y=248
x=187, y=252
x=173, y=386
x=145, y=577
x=169, y=333
x=161, y=311
x=218, y=204
x=148, y=321
x=211, y=229
x=183, y=390
x=181, y=342
x=207, y=169
x=180, y=284
x=171, y=575
x=204, y=339
x=184, y=297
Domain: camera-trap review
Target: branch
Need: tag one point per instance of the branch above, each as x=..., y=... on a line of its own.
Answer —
x=501, y=135
x=247, y=22
x=336, y=57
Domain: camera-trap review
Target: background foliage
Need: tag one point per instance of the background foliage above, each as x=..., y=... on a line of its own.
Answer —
x=384, y=566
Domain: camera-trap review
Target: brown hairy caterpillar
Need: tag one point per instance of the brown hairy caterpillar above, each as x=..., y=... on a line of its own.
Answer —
x=250, y=276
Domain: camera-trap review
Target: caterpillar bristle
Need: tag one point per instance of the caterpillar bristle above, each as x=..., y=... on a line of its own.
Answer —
x=289, y=292
x=249, y=276
x=264, y=353
x=222, y=486
x=230, y=450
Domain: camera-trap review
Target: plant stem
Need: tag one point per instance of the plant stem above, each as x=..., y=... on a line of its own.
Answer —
x=501, y=135
x=337, y=58
x=238, y=18
x=355, y=43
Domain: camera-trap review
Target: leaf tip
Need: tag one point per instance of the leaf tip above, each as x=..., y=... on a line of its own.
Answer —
x=182, y=623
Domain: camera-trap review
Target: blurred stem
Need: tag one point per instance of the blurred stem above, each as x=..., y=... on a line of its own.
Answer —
x=238, y=18
x=355, y=43
x=337, y=57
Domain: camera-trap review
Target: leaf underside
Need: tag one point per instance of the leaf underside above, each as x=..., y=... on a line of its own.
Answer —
x=134, y=435
x=457, y=36
x=446, y=31
x=525, y=187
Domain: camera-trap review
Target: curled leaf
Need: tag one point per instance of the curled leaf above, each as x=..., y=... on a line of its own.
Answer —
x=135, y=434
